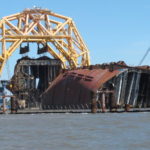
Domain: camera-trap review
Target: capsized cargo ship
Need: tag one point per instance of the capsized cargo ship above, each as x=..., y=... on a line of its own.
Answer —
x=103, y=87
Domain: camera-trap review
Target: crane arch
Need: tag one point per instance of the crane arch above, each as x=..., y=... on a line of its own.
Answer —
x=58, y=32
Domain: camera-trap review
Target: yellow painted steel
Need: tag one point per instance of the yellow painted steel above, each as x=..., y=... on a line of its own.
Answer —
x=45, y=27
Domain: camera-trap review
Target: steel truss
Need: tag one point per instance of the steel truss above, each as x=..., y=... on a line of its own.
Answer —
x=45, y=27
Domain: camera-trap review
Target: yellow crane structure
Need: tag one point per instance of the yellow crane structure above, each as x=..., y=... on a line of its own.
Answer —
x=58, y=32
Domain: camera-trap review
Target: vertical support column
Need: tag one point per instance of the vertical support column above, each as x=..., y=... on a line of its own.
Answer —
x=147, y=93
x=124, y=86
x=4, y=52
x=127, y=107
x=131, y=88
x=4, y=105
x=94, y=103
x=136, y=89
x=119, y=92
x=14, y=105
x=26, y=23
x=103, y=102
x=4, y=41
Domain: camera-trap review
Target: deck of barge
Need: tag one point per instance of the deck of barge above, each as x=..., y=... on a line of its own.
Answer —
x=35, y=111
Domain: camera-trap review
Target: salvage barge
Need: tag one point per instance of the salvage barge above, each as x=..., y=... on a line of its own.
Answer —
x=60, y=78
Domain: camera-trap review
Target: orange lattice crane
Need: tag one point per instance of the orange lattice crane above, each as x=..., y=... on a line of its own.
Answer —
x=58, y=32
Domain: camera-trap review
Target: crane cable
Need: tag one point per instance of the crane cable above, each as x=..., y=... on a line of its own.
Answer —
x=144, y=57
x=8, y=70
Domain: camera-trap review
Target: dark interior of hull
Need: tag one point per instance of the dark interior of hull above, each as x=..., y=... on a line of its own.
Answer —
x=32, y=77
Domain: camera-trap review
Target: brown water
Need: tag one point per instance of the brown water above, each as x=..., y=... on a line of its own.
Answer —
x=123, y=131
